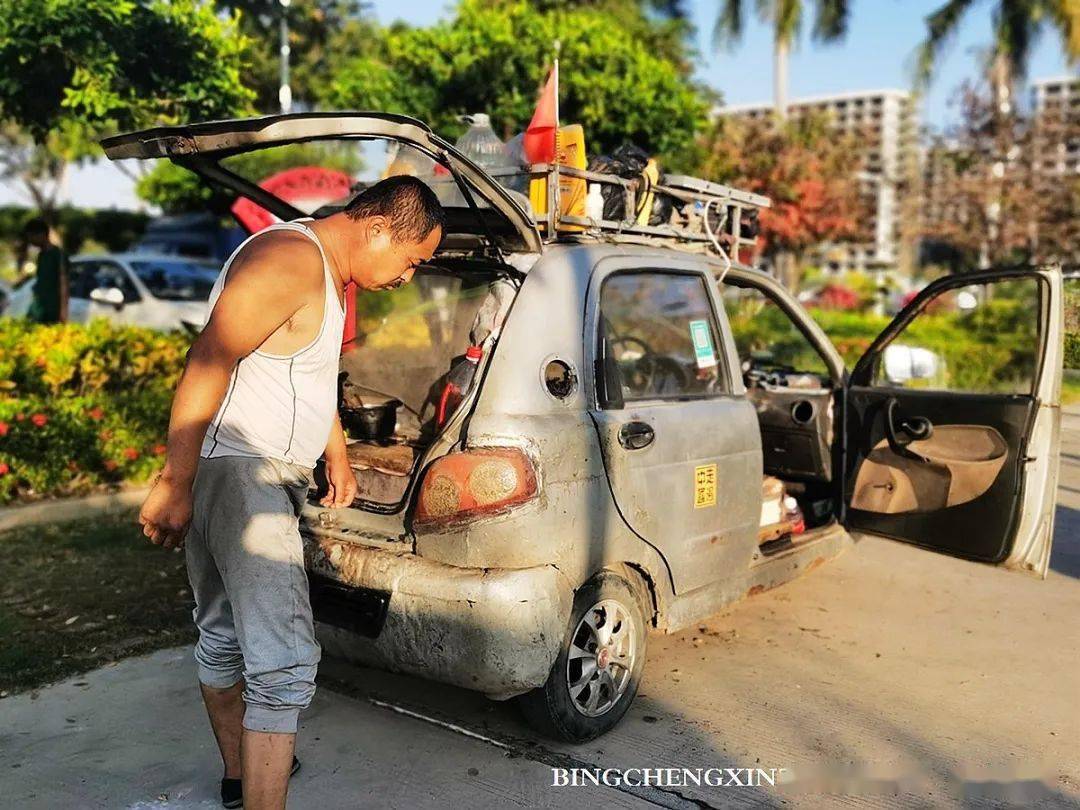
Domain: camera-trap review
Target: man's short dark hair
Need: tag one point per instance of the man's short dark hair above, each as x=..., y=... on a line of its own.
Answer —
x=409, y=205
x=36, y=227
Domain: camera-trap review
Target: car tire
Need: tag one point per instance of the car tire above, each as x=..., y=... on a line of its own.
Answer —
x=579, y=702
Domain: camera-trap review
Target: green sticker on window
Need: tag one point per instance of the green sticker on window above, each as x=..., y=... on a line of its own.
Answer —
x=703, y=347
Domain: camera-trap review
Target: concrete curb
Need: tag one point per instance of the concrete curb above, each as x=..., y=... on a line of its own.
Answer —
x=67, y=509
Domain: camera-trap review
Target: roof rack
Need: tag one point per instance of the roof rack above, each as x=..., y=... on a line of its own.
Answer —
x=703, y=215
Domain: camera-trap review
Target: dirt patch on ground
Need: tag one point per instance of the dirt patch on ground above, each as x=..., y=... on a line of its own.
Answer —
x=76, y=596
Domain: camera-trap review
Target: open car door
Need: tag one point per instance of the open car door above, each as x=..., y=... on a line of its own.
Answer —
x=211, y=150
x=952, y=420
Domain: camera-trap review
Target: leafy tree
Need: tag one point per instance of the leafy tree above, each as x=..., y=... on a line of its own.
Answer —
x=803, y=167
x=492, y=56
x=72, y=71
x=1017, y=26
x=116, y=63
x=35, y=169
x=786, y=19
x=997, y=194
x=323, y=34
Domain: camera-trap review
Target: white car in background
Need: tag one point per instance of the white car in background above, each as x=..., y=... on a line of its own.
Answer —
x=136, y=289
x=5, y=296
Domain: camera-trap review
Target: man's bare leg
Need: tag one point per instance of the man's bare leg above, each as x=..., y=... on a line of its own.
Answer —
x=226, y=710
x=266, y=759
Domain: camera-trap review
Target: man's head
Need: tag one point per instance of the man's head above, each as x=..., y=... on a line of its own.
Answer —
x=401, y=223
x=36, y=232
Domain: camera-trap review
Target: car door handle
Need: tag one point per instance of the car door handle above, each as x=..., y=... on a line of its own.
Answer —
x=917, y=428
x=636, y=435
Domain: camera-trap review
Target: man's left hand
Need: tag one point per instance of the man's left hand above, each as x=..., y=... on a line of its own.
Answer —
x=341, y=484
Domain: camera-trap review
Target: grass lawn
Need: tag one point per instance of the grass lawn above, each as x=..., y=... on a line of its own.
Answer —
x=1070, y=387
x=76, y=596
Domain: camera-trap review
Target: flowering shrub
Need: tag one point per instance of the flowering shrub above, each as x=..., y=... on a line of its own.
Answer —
x=82, y=406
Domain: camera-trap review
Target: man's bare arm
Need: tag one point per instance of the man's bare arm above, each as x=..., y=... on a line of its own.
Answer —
x=341, y=481
x=263, y=290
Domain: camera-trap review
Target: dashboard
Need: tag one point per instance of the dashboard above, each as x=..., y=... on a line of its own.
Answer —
x=795, y=413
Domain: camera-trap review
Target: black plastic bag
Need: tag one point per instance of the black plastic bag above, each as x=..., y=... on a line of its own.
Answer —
x=628, y=162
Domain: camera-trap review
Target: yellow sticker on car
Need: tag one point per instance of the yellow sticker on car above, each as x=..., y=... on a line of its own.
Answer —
x=704, y=486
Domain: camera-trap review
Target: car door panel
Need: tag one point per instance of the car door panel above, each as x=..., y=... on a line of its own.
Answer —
x=979, y=527
x=655, y=487
x=80, y=283
x=967, y=473
x=110, y=274
x=684, y=468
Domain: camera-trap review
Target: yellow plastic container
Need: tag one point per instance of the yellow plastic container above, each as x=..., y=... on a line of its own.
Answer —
x=569, y=151
x=651, y=176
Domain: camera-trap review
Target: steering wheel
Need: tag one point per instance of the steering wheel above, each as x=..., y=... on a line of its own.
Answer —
x=650, y=365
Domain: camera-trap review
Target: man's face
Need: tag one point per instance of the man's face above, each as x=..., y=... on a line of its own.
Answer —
x=390, y=262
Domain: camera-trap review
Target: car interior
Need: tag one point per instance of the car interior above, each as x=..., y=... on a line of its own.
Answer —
x=407, y=343
x=791, y=389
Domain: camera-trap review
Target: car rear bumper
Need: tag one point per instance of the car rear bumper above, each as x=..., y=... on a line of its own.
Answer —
x=496, y=631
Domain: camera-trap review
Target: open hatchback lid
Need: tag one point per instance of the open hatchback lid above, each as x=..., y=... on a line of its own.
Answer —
x=206, y=148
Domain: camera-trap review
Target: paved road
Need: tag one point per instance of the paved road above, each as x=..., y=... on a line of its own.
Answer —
x=891, y=676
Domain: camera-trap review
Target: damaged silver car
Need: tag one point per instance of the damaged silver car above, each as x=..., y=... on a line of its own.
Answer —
x=569, y=433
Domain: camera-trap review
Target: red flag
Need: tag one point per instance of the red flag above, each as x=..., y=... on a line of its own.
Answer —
x=539, y=139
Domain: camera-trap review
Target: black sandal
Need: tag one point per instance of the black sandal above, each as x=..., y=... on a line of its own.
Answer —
x=232, y=790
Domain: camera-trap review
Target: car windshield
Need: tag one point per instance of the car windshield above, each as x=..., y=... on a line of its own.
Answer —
x=176, y=279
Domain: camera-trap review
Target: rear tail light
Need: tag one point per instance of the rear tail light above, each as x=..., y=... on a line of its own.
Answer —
x=475, y=483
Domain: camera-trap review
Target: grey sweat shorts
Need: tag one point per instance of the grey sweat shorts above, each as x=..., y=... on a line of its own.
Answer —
x=252, y=607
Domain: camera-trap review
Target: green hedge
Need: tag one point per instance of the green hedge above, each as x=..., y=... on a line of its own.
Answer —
x=82, y=406
x=987, y=349
x=1072, y=350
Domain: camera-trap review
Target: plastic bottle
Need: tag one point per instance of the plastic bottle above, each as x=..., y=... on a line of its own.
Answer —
x=594, y=203
x=458, y=383
x=482, y=145
x=406, y=160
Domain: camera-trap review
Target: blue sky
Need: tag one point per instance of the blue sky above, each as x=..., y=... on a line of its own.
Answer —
x=876, y=54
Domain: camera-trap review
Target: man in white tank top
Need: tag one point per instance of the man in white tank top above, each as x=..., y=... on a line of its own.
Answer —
x=255, y=408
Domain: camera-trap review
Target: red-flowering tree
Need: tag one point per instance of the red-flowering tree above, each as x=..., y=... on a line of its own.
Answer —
x=805, y=167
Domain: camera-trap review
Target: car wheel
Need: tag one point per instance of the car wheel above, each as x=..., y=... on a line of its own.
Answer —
x=595, y=677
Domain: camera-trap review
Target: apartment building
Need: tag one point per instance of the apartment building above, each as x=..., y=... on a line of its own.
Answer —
x=886, y=124
x=1055, y=106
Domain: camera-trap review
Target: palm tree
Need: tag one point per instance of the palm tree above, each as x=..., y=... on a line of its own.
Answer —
x=1017, y=26
x=786, y=18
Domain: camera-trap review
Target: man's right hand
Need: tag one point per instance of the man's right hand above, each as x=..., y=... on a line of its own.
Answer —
x=166, y=513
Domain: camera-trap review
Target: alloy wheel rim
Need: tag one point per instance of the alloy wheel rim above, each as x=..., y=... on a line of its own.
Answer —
x=601, y=658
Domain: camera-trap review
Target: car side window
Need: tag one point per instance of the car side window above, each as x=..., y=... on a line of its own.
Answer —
x=767, y=340
x=81, y=279
x=113, y=275
x=660, y=336
x=978, y=339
